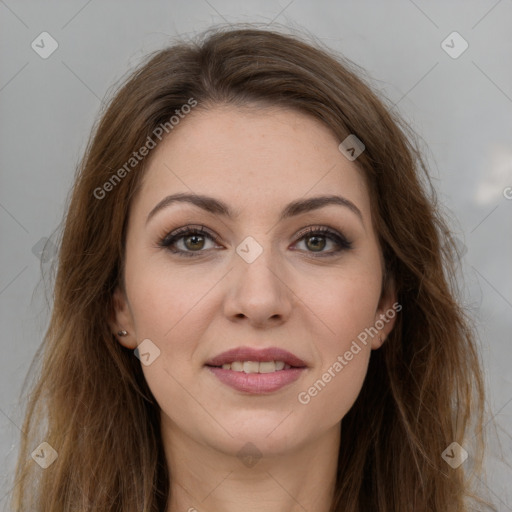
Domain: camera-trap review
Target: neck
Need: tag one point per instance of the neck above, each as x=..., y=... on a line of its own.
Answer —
x=206, y=479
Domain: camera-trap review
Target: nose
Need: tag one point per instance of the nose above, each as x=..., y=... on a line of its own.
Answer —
x=260, y=292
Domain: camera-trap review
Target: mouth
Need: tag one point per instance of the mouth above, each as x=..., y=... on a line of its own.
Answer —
x=255, y=366
x=256, y=371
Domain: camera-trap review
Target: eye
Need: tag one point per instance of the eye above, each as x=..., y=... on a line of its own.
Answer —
x=316, y=239
x=187, y=240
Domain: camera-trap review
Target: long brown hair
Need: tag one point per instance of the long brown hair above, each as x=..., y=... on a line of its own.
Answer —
x=424, y=388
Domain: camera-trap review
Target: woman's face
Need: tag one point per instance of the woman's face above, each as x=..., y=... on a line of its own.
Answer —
x=255, y=279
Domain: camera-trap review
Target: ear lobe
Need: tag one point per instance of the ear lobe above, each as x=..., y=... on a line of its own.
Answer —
x=121, y=319
x=377, y=343
x=386, y=313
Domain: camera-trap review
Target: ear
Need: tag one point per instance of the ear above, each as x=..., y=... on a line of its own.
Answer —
x=122, y=319
x=386, y=313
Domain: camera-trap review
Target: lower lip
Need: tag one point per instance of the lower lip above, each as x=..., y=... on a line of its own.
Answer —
x=257, y=383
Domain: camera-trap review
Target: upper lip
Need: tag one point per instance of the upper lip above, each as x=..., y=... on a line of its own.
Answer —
x=259, y=355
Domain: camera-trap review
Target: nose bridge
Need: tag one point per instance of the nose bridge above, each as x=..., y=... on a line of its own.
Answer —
x=259, y=289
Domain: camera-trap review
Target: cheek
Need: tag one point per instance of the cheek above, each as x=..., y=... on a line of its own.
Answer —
x=347, y=308
x=347, y=304
x=163, y=300
x=167, y=312
x=332, y=390
x=334, y=385
x=173, y=309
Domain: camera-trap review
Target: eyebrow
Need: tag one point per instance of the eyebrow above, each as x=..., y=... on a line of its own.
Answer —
x=218, y=207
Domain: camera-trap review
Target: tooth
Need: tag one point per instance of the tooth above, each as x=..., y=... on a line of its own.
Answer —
x=237, y=366
x=251, y=366
x=256, y=367
x=267, y=367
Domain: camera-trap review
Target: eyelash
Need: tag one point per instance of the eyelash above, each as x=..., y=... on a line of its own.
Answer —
x=167, y=241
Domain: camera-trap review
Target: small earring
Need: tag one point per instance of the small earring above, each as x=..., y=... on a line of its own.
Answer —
x=122, y=333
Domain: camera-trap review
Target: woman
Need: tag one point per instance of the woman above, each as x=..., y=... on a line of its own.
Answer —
x=254, y=306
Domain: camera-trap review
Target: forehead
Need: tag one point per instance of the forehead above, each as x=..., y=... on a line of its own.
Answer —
x=251, y=157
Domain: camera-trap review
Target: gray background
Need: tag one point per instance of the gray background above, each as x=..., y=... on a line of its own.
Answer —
x=461, y=107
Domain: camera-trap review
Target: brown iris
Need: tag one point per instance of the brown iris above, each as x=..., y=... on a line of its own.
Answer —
x=319, y=242
x=197, y=241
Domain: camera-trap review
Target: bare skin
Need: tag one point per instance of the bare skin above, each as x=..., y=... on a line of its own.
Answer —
x=305, y=294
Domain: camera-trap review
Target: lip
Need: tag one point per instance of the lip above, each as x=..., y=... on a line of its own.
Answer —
x=257, y=383
x=258, y=355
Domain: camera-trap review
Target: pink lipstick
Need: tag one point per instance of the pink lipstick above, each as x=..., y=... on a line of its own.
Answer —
x=256, y=371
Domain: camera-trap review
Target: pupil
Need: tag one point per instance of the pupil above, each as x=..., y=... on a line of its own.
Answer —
x=194, y=239
x=317, y=238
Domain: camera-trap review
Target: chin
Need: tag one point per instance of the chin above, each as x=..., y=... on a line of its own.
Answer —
x=271, y=436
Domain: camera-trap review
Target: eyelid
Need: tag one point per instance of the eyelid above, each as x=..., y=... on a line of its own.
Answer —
x=320, y=229
x=334, y=234
x=199, y=228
